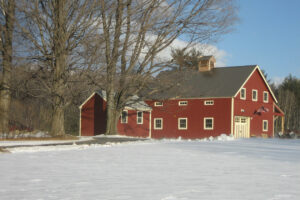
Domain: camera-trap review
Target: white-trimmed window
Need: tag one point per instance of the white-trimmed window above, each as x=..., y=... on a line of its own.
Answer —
x=254, y=95
x=243, y=93
x=139, y=117
x=266, y=97
x=158, y=123
x=208, y=123
x=158, y=103
x=182, y=123
x=265, y=125
x=182, y=103
x=209, y=102
x=124, y=117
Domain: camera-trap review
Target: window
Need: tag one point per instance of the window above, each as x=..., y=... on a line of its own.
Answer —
x=243, y=93
x=209, y=102
x=254, y=95
x=182, y=123
x=208, y=123
x=158, y=123
x=182, y=103
x=266, y=97
x=139, y=117
x=265, y=125
x=124, y=117
x=157, y=103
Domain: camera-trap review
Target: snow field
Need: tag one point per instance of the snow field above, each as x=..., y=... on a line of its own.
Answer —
x=266, y=169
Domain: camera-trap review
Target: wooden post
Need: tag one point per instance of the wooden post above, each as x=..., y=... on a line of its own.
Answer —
x=282, y=124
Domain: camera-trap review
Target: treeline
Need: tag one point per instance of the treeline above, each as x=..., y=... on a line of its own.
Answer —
x=288, y=95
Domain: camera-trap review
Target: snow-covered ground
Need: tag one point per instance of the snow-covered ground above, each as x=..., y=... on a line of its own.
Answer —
x=38, y=142
x=266, y=169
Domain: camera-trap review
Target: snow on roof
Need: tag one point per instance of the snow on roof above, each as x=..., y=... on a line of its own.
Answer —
x=134, y=102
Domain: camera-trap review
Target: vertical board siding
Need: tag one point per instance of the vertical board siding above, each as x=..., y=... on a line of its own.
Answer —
x=131, y=128
x=87, y=118
x=195, y=111
x=93, y=120
x=248, y=107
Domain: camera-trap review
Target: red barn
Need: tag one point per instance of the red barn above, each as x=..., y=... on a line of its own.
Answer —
x=204, y=102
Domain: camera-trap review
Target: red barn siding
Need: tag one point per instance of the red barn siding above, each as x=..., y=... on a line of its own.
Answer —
x=93, y=120
x=131, y=128
x=249, y=106
x=195, y=111
x=87, y=118
x=100, y=115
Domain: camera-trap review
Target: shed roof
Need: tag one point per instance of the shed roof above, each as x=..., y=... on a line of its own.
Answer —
x=219, y=82
x=134, y=103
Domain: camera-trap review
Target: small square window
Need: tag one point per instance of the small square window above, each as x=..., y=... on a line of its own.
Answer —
x=254, y=95
x=243, y=93
x=124, y=117
x=209, y=102
x=158, y=103
x=266, y=97
x=265, y=125
x=139, y=117
x=158, y=123
x=208, y=123
x=182, y=103
x=182, y=123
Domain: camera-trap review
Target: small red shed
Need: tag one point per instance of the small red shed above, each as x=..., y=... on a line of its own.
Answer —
x=134, y=121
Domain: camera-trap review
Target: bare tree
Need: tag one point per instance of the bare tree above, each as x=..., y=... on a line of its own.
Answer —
x=136, y=32
x=56, y=31
x=7, y=20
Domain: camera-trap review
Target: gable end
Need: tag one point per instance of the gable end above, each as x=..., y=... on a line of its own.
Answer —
x=264, y=79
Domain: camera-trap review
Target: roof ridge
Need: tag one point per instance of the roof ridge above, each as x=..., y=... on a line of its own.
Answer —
x=237, y=66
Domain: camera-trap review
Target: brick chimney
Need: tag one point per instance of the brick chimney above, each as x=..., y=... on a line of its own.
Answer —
x=206, y=63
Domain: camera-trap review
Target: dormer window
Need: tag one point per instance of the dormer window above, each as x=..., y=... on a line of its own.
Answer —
x=254, y=95
x=243, y=93
x=158, y=103
x=266, y=97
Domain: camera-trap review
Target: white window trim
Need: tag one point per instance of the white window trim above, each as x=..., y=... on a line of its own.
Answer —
x=243, y=98
x=156, y=128
x=263, y=127
x=126, y=119
x=157, y=103
x=137, y=117
x=256, y=95
x=209, y=102
x=185, y=128
x=204, y=123
x=182, y=103
x=266, y=101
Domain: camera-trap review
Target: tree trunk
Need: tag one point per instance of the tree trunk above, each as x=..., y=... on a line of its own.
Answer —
x=112, y=123
x=57, y=125
x=6, y=44
x=59, y=70
x=112, y=116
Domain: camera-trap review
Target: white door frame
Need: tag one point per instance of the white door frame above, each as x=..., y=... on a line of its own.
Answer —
x=241, y=127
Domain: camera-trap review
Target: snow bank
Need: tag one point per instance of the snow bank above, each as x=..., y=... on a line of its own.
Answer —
x=39, y=142
x=17, y=134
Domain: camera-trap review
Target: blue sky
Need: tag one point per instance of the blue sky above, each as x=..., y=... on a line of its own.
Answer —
x=268, y=34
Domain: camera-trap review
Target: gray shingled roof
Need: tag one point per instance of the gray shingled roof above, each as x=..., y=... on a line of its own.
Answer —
x=134, y=102
x=220, y=82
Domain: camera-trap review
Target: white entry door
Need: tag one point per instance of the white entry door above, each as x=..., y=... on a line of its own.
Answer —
x=242, y=126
